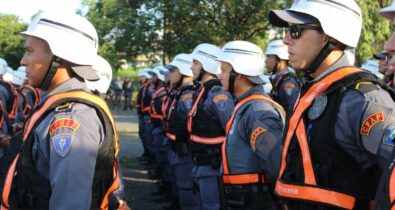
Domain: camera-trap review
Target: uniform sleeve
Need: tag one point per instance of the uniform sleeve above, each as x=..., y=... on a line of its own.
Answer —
x=221, y=106
x=365, y=123
x=73, y=152
x=263, y=128
x=288, y=93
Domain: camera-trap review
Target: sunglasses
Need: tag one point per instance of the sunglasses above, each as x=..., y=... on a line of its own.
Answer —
x=296, y=30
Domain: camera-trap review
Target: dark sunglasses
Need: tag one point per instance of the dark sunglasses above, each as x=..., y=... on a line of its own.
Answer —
x=296, y=30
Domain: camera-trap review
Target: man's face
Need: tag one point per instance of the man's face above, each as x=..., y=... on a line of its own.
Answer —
x=226, y=68
x=270, y=63
x=389, y=47
x=175, y=76
x=303, y=50
x=196, y=67
x=37, y=59
x=383, y=64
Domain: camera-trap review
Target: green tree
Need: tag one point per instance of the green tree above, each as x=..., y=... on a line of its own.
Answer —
x=11, y=42
x=375, y=29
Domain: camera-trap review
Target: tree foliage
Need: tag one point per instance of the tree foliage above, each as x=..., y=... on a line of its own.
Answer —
x=11, y=42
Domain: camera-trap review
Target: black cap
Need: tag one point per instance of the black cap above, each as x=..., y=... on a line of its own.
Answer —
x=380, y=55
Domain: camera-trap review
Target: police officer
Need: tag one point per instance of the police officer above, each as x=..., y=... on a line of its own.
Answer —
x=211, y=109
x=251, y=152
x=100, y=87
x=385, y=196
x=335, y=142
x=285, y=86
x=176, y=131
x=68, y=159
x=143, y=78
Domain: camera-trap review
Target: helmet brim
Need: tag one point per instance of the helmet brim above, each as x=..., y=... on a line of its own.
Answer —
x=86, y=72
x=256, y=80
x=282, y=18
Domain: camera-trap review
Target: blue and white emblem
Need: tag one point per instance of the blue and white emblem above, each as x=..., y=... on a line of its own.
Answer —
x=318, y=106
x=389, y=140
x=62, y=143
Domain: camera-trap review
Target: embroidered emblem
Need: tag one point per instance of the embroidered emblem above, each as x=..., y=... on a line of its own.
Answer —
x=318, y=107
x=221, y=101
x=258, y=131
x=370, y=121
x=63, y=123
x=62, y=143
x=389, y=140
x=288, y=88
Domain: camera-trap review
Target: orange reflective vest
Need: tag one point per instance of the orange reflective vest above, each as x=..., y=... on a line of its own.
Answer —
x=227, y=176
x=155, y=114
x=37, y=98
x=35, y=117
x=309, y=191
x=15, y=104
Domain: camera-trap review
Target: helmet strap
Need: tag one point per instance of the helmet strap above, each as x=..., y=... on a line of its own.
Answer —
x=49, y=75
x=201, y=73
x=231, y=82
x=322, y=55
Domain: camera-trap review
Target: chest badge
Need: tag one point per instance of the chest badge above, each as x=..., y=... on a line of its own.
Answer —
x=318, y=107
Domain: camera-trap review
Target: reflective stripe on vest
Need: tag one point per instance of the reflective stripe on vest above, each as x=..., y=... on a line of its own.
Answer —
x=81, y=95
x=242, y=178
x=171, y=136
x=391, y=186
x=191, y=114
x=296, y=123
x=153, y=113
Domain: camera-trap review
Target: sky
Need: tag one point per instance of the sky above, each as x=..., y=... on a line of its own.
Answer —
x=25, y=9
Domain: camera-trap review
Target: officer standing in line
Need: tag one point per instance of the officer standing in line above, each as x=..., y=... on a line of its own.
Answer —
x=251, y=152
x=143, y=78
x=100, y=87
x=177, y=133
x=385, y=195
x=335, y=145
x=68, y=159
x=211, y=110
x=285, y=86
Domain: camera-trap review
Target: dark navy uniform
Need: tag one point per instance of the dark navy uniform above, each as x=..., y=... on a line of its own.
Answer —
x=212, y=108
x=252, y=151
x=285, y=89
x=178, y=136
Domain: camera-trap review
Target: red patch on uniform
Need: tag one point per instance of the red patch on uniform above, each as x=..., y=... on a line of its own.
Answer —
x=255, y=135
x=370, y=121
x=63, y=123
x=220, y=97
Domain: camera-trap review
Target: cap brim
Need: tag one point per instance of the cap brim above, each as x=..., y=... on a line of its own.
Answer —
x=256, y=80
x=379, y=55
x=170, y=67
x=164, y=72
x=282, y=18
x=86, y=72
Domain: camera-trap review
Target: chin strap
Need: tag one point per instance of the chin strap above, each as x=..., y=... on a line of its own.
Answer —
x=49, y=75
x=325, y=51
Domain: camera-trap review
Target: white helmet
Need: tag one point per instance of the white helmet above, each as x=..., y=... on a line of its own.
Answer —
x=245, y=57
x=277, y=47
x=8, y=76
x=388, y=12
x=3, y=66
x=159, y=72
x=21, y=69
x=18, y=78
x=104, y=70
x=350, y=55
x=340, y=19
x=207, y=54
x=145, y=73
x=183, y=62
x=71, y=37
x=372, y=66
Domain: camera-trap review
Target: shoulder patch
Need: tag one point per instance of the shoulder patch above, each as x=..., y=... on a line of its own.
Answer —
x=258, y=131
x=62, y=143
x=370, y=121
x=389, y=140
x=63, y=123
x=221, y=101
x=187, y=99
x=289, y=87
